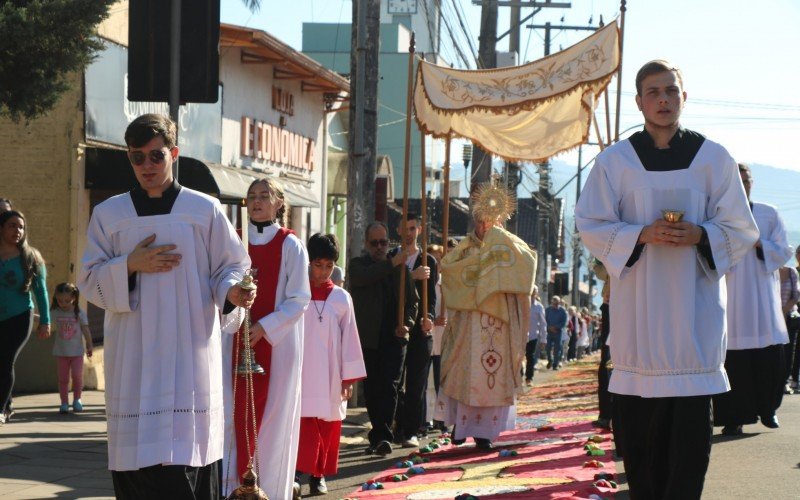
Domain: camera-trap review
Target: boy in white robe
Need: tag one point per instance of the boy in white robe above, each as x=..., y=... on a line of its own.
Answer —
x=162, y=260
x=332, y=363
x=756, y=329
x=668, y=302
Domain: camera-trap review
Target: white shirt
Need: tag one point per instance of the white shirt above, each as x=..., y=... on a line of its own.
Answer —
x=162, y=339
x=538, y=327
x=755, y=315
x=668, y=309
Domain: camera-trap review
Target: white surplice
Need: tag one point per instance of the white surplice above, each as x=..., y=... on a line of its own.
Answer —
x=331, y=353
x=162, y=339
x=668, y=309
x=755, y=315
x=280, y=426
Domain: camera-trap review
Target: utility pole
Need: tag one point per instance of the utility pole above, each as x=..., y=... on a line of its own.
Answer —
x=576, y=240
x=545, y=194
x=513, y=177
x=363, y=123
x=487, y=58
x=544, y=209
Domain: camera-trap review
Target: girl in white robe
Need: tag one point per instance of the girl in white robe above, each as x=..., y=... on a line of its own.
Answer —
x=276, y=445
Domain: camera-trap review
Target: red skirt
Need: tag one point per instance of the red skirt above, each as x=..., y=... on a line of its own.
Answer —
x=318, y=453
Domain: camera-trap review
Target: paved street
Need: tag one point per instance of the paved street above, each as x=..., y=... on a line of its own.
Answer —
x=47, y=455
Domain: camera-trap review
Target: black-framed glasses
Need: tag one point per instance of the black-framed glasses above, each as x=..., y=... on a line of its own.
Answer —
x=157, y=157
x=377, y=243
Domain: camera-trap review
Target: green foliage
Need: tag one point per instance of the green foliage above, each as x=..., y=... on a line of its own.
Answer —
x=42, y=42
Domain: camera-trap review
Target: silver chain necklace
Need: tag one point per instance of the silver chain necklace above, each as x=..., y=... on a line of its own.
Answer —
x=319, y=310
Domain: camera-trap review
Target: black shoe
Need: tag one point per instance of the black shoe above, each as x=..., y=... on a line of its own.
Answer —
x=317, y=485
x=549, y=365
x=296, y=491
x=483, y=444
x=770, y=422
x=603, y=423
x=384, y=448
x=732, y=430
x=369, y=450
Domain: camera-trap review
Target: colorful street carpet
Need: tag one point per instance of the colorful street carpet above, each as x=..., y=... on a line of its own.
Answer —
x=554, y=452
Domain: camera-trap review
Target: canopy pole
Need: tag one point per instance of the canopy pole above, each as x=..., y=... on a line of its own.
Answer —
x=608, y=116
x=622, y=10
x=445, y=211
x=424, y=214
x=597, y=131
x=401, y=306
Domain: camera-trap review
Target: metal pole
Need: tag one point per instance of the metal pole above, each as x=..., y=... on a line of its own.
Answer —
x=175, y=72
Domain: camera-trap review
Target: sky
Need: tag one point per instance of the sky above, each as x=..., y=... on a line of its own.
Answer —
x=742, y=82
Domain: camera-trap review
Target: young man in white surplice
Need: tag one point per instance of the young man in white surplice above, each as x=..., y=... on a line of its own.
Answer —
x=667, y=304
x=162, y=261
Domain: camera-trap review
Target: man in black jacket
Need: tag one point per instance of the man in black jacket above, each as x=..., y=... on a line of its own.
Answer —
x=374, y=286
x=411, y=417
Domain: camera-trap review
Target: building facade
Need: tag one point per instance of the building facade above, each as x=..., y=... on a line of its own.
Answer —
x=271, y=120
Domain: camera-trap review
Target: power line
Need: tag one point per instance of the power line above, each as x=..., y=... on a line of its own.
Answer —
x=465, y=29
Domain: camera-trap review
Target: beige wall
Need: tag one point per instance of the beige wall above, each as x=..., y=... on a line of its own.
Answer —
x=38, y=164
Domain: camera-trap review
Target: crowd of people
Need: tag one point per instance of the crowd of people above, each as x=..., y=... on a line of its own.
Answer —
x=706, y=334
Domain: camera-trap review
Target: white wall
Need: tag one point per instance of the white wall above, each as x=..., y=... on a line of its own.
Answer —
x=247, y=92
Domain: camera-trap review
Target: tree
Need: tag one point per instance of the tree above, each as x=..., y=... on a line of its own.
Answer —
x=44, y=41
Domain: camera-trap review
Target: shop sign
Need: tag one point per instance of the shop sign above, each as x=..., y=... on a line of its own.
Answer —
x=267, y=142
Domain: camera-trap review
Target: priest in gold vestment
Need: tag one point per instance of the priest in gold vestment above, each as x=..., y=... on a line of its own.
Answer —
x=486, y=282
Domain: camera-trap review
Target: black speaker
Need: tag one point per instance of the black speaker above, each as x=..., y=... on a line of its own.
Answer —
x=148, y=50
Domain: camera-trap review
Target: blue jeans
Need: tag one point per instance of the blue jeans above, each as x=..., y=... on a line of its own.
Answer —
x=554, y=348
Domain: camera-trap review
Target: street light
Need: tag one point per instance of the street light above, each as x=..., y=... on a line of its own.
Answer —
x=466, y=154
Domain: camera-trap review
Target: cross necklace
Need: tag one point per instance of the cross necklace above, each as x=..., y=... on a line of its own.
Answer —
x=320, y=309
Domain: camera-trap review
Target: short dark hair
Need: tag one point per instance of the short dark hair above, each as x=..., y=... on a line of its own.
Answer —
x=323, y=246
x=147, y=127
x=744, y=167
x=654, y=67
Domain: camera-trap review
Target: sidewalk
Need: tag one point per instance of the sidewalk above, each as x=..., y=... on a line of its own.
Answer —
x=47, y=455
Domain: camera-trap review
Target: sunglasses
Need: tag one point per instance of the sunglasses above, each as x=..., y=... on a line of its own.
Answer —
x=381, y=243
x=157, y=157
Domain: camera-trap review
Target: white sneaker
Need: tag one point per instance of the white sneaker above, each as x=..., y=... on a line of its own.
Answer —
x=412, y=442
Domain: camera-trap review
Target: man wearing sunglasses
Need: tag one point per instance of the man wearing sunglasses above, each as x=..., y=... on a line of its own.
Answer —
x=163, y=260
x=375, y=287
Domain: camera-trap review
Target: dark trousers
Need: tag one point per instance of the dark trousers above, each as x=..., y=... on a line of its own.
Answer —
x=418, y=365
x=436, y=364
x=572, y=346
x=756, y=377
x=603, y=396
x=554, y=347
x=667, y=445
x=168, y=482
x=530, y=359
x=792, y=351
x=384, y=370
x=14, y=334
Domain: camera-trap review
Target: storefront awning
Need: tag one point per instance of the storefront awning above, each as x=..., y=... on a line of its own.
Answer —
x=233, y=182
